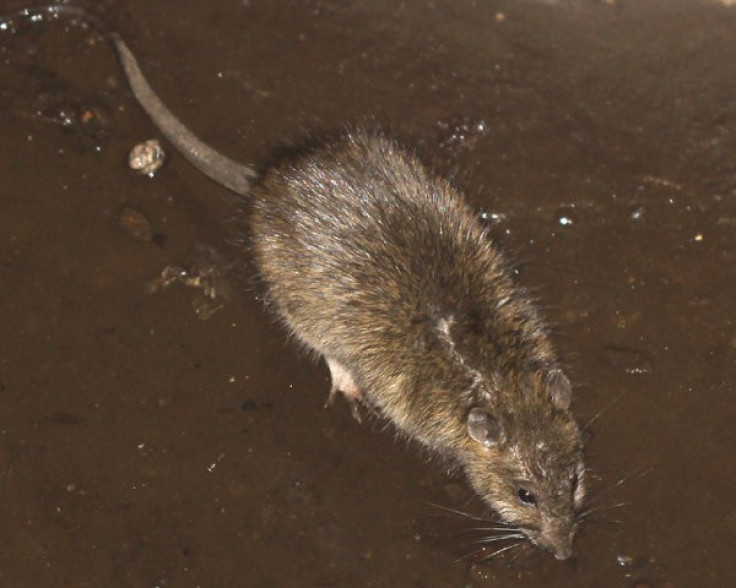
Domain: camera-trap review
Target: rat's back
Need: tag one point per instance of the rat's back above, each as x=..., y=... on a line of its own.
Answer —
x=355, y=237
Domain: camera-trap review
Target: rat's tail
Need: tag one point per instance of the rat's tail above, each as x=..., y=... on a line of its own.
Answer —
x=223, y=170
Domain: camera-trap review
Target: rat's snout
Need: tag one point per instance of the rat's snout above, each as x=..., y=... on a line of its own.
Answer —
x=558, y=539
x=563, y=552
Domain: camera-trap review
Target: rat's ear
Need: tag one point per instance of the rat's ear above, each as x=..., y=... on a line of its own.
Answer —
x=558, y=389
x=483, y=428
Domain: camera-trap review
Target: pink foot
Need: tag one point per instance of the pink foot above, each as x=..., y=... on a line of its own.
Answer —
x=343, y=383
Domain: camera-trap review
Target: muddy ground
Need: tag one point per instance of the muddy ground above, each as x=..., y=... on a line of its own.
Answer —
x=142, y=445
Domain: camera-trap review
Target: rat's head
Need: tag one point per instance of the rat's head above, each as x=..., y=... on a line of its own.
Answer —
x=525, y=460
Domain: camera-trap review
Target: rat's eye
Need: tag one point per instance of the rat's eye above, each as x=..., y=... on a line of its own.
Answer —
x=526, y=497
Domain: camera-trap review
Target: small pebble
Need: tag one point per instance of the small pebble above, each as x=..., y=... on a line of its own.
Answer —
x=135, y=224
x=147, y=158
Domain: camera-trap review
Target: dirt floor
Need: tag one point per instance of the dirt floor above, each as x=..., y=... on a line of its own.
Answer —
x=151, y=436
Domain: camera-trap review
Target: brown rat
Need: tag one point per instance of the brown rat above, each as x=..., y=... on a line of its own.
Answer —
x=381, y=267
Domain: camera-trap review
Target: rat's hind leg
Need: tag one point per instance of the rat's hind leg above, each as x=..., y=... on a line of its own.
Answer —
x=342, y=382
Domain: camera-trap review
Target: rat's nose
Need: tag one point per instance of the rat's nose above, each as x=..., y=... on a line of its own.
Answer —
x=558, y=540
x=563, y=552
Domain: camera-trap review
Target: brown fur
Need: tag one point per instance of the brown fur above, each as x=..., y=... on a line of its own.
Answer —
x=373, y=262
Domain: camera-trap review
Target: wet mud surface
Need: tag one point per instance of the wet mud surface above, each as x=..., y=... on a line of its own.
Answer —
x=141, y=445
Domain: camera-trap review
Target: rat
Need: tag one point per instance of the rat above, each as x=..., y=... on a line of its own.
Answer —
x=380, y=266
